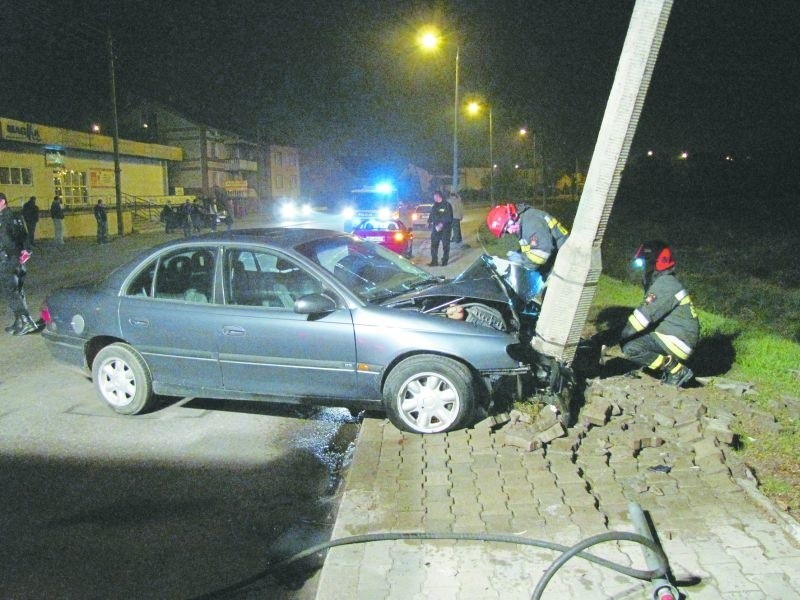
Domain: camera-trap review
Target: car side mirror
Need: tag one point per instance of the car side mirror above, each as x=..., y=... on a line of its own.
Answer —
x=312, y=304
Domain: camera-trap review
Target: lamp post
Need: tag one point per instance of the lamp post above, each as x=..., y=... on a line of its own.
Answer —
x=430, y=39
x=474, y=108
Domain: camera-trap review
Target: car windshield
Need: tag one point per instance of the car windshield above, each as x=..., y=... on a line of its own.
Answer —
x=369, y=270
x=377, y=225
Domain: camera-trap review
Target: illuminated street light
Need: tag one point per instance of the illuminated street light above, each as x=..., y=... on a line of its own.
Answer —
x=95, y=127
x=474, y=108
x=431, y=39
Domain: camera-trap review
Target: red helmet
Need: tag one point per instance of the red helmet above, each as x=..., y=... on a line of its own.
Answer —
x=499, y=217
x=654, y=255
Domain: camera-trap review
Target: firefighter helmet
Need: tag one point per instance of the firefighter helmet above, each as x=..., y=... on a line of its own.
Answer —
x=654, y=255
x=499, y=217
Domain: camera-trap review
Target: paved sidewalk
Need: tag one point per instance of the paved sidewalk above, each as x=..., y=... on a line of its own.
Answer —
x=467, y=481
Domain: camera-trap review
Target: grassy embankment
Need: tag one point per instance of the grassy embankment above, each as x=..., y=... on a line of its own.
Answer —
x=739, y=264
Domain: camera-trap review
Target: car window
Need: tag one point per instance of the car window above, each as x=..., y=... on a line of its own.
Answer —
x=264, y=278
x=185, y=274
x=369, y=270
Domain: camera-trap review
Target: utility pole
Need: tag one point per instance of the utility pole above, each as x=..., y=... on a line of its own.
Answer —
x=117, y=170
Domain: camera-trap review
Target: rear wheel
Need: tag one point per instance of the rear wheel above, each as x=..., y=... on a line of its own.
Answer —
x=429, y=394
x=122, y=379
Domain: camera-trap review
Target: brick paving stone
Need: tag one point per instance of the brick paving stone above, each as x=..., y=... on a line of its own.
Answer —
x=729, y=577
x=555, y=512
x=485, y=462
x=469, y=506
x=549, y=496
x=469, y=524
x=542, y=480
x=438, y=478
x=734, y=537
x=408, y=520
x=437, y=493
x=590, y=522
x=776, y=544
x=519, y=493
x=337, y=581
x=497, y=523
x=493, y=503
x=774, y=585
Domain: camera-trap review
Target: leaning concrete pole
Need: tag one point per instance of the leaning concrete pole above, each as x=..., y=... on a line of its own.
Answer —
x=573, y=282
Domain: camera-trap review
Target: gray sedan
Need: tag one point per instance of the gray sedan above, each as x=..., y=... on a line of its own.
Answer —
x=292, y=315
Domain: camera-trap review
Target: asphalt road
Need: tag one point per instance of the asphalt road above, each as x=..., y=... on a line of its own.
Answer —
x=191, y=498
x=174, y=504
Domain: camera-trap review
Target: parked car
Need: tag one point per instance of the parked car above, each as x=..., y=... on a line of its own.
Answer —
x=292, y=315
x=391, y=234
x=419, y=218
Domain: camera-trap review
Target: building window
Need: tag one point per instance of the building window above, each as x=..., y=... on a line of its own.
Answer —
x=71, y=186
x=16, y=176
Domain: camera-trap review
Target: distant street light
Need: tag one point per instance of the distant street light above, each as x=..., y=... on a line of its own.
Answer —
x=474, y=108
x=431, y=39
x=95, y=127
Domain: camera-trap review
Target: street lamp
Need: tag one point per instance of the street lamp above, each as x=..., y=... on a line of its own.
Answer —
x=430, y=39
x=474, y=108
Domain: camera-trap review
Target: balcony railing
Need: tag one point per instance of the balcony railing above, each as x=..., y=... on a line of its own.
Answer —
x=239, y=164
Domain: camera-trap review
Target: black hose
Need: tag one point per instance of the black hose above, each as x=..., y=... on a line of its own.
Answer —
x=568, y=552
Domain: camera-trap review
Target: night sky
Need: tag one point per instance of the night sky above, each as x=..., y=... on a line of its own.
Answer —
x=347, y=76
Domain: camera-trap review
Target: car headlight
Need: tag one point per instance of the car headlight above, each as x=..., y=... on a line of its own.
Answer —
x=306, y=210
x=348, y=212
x=288, y=211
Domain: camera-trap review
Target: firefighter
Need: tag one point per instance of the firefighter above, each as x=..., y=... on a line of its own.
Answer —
x=662, y=332
x=540, y=235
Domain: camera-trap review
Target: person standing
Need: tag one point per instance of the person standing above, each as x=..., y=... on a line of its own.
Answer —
x=439, y=222
x=102, y=222
x=57, y=214
x=30, y=212
x=185, y=218
x=663, y=331
x=196, y=216
x=168, y=218
x=458, y=214
x=13, y=256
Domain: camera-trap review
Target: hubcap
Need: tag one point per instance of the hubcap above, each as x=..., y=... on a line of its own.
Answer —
x=117, y=383
x=428, y=403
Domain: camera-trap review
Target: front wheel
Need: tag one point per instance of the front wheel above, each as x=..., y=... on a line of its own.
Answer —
x=429, y=394
x=122, y=379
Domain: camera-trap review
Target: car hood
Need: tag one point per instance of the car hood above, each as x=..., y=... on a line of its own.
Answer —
x=478, y=282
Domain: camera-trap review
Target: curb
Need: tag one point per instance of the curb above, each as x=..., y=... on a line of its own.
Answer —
x=786, y=522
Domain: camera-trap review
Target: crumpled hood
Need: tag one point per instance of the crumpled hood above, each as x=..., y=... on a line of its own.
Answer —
x=477, y=281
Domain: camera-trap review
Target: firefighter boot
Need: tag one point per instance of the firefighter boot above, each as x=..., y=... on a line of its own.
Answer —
x=27, y=325
x=678, y=375
x=14, y=326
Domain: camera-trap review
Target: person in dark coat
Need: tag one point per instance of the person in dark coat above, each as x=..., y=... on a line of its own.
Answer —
x=30, y=213
x=101, y=218
x=57, y=214
x=663, y=331
x=14, y=253
x=168, y=218
x=440, y=221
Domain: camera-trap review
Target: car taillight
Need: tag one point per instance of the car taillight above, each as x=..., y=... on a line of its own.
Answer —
x=399, y=236
x=414, y=216
x=44, y=314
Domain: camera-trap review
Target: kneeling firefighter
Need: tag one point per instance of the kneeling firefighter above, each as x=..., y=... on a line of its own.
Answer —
x=663, y=330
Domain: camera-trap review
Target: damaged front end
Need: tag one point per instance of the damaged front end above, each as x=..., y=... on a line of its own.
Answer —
x=494, y=293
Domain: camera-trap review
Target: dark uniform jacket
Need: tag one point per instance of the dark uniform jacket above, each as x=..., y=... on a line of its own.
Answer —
x=441, y=213
x=668, y=312
x=539, y=235
x=13, y=236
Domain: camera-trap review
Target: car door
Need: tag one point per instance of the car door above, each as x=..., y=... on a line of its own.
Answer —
x=167, y=314
x=267, y=348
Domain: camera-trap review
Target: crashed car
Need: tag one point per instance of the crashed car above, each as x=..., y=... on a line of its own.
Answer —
x=293, y=315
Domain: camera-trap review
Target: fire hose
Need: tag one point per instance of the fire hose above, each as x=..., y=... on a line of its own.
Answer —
x=657, y=572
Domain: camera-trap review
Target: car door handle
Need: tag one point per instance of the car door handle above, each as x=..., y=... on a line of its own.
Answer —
x=139, y=322
x=232, y=330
